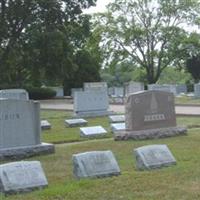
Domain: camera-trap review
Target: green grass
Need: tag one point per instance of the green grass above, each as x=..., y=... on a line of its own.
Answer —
x=179, y=182
x=187, y=100
x=60, y=134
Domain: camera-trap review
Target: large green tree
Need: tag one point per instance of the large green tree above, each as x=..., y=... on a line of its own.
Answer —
x=146, y=32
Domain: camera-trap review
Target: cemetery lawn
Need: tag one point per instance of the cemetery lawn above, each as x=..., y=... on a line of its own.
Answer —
x=178, y=182
x=61, y=134
x=187, y=100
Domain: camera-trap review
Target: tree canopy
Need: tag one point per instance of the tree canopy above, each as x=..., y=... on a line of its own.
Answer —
x=147, y=33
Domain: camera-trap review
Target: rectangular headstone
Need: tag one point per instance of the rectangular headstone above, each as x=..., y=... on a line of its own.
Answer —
x=181, y=88
x=133, y=87
x=197, y=90
x=59, y=91
x=91, y=103
x=75, y=122
x=153, y=156
x=45, y=125
x=118, y=127
x=19, y=94
x=92, y=131
x=95, y=86
x=95, y=164
x=150, y=110
x=119, y=91
x=116, y=118
x=21, y=177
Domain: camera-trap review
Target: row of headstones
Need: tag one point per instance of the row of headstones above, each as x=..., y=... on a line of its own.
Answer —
x=96, y=164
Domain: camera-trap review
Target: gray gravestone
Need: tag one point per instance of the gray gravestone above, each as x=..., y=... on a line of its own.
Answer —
x=118, y=127
x=181, y=88
x=19, y=94
x=118, y=91
x=165, y=88
x=91, y=103
x=95, y=164
x=197, y=90
x=21, y=177
x=45, y=125
x=153, y=156
x=92, y=131
x=95, y=86
x=75, y=122
x=116, y=118
x=20, y=129
x=59, y=91
x=133, y=87
x=150, y=114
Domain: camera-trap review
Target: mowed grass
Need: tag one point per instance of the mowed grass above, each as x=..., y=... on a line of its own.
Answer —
x=59, y=133
x=187, y=100
x=178, y=182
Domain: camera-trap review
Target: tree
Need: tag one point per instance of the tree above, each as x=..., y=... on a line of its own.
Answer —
x=40, y=38
x=145, y=32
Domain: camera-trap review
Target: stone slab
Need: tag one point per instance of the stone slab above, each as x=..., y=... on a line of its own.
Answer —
x=17, y=153
x=117, y=127
x=150, y=134
x=19, y=94
x=75, y=122
x=95, y=164
x=153, y=156
x=92, y=131
x=21, y=176
x=116, y=118
x=45, y=125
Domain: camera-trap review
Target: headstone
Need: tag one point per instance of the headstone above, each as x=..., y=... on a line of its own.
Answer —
x=197, y=90
x=45, y=125
x=118, y=127
x=73, y=90
x=153, y=156
x=91, y=103
x=20, y=129
x=95, y=86
x=95, y=164
x=59, y=91
x=116, y=118
x=118, y=91
x=75, y=122
x=19, y=94
x=133, y=87
x=165, y=87
x=92, y=131
x=150, y=114
x=21, y=176
x=181, y=88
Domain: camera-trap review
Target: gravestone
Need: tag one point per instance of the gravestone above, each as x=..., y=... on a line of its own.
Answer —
x=92, y=131
x=75, y=122
x=19, y=94
x=153, y=156
x=197, y=90
x=117, y=127
x=95, y=86
x=150, y=114
x=45, y=125
x=20, y=129
x=181, y=88
x=116, y=118
x=91, y=103
x=59, y=91
x=165, y=87
x=118, y=91
x=133, y=87
x=96, y=164
x=21, y=176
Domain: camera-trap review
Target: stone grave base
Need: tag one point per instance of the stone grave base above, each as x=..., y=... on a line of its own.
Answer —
x=17, y=153
x=93, y=113
x=150, y=134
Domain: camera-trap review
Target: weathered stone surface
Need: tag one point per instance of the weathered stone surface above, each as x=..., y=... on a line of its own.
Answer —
x=95, y=86
x=45, y=125
x=118, y=127
x=95, y=164
x=153, y=156
x=116, y=118
x=19, y=94
x=21, y=176
x=92, y=131
x=75, y=122
x=91, y=103
x=150, y=134
x=17, y=153
x=133, y=87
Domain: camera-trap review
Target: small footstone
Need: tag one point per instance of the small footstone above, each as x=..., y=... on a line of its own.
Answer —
x=92, y=131
x=75, y=122
x=116, y=118
x=45, y=125
x=117, y=127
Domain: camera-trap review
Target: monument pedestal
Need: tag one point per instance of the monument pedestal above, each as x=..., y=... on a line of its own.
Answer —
x=150, y=133
x=17, y=153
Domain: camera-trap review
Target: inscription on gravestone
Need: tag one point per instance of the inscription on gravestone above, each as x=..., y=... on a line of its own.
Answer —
x=95, y=164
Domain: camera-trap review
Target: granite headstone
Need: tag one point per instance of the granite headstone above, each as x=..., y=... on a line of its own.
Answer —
x=75, y=122
x=19, y=94
x=116, y=118
x=45, y=125
x=92, y=131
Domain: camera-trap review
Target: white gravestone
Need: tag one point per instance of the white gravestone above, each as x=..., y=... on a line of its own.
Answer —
x=92, y=131
x=181, y=88
x=116, y=118
x=133, y=87
x=45, y=125
x=75, y=122
x=197, y=90
x=91, y=103
x=95, y=164
x=59, y=91
x=96, y=86
x=20, y=129
x=118, y=91
x=19, y=94
x=153, y=156
x=21, y=177
x=117, y=127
